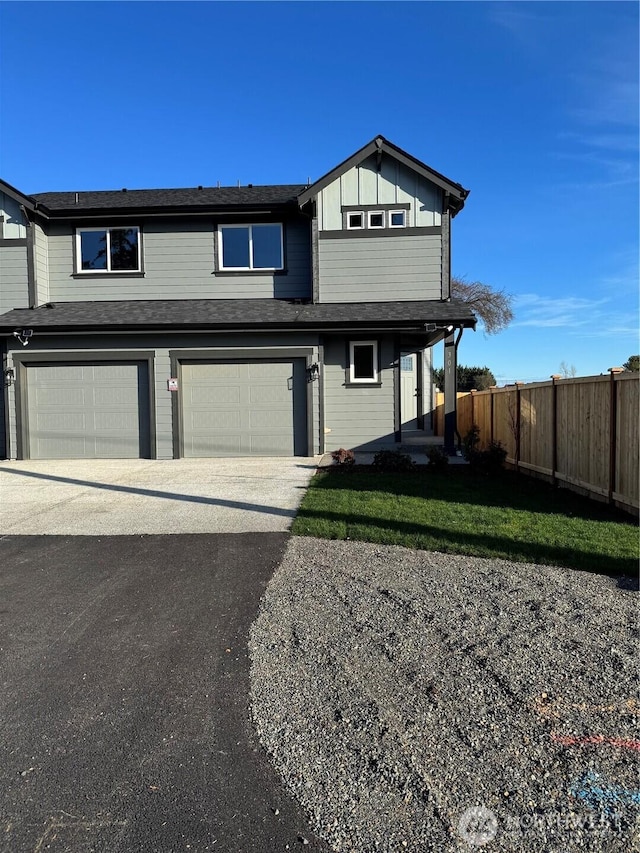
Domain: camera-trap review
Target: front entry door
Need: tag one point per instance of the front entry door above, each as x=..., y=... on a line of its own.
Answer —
x=409, y=390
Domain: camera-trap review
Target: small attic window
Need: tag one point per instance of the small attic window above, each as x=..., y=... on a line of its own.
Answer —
x=355, y=220
x=397, y=219
x=376, y=219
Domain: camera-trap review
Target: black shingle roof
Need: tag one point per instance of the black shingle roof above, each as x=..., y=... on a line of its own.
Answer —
x=235, y=313
x=190, y=198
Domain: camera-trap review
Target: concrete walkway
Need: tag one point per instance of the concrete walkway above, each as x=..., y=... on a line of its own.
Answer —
x=137, y=496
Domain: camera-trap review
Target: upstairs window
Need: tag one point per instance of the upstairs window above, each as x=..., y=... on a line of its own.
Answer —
x=363, y=361
x=250, y=247
x=375, y=217
x=105, y=250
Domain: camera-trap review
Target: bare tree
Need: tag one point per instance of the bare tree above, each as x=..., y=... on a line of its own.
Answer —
x=493, y=307
x=567, y=371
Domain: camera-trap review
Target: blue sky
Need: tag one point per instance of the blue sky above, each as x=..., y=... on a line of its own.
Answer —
x=532, y=106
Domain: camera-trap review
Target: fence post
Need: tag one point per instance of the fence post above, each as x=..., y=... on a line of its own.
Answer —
x=492, y=388
x=518, y=423
x=554, y=427
x=473, y=407
x=613, y=428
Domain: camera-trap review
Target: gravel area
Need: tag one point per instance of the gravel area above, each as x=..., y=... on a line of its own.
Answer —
x=427, y=702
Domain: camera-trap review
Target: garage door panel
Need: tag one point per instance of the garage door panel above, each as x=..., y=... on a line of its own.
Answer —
x=115, y=422
x=60, y=396
x=61, y=423
x=268, y=371
x=270, y=420
x=89, y=411
x=219, y=420
x=243, y=408
x=62, y=447
x=270, y=445
x=104, y=395
x=219, y=445
x=269, y=394
x=205, y=396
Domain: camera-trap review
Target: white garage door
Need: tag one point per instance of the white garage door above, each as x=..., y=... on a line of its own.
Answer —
x=87, y=411
x=245, y=408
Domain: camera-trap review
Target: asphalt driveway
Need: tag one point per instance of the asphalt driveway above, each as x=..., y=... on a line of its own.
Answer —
x=140, y=496
x=124, y=719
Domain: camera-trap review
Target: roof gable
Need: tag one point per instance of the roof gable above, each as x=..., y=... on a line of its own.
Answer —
x=457, y=194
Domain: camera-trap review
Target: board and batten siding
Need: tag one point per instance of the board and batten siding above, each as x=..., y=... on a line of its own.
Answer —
x=403, y=267
x=357, y=417
x=178, y=263
x=41, y=264
x=14, y=279
x=395, y=183
x=13, y=226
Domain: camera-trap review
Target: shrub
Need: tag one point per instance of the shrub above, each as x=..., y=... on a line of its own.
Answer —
x=488, y=461
x=438, y=459
x=392, y=461
x=470, y=443
x=493, y=457
x=343, y=457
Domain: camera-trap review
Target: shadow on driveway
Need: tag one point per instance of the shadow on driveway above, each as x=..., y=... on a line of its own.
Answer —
x=124, y=720
x=154, y=493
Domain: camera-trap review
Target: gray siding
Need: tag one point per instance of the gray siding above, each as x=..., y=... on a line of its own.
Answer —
x=14, y=225
x=162, y=344
x=14, y=282
x=380, y=270
x=357, y=417
x=41, y=265
x=394, y=184
x=179, y=264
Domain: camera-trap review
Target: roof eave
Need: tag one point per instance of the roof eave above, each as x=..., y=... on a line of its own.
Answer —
x=416, y=326
x=21, y=198
x=157, y=210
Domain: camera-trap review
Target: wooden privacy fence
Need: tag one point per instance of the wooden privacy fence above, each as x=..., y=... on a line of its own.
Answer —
x=580, y=433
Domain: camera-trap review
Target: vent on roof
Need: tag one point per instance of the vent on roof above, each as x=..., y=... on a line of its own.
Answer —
x=250, y=186
x=199, y=186
x=124, y=189
x=77, y=198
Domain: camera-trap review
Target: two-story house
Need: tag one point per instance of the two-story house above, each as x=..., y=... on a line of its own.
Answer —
x=266, y=320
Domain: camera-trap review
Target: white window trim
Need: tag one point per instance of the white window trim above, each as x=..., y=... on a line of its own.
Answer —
x=355, y=227
x=250, y=226
x=375, y=213
x=370, y=379
x=108, y=270
x=404, y=218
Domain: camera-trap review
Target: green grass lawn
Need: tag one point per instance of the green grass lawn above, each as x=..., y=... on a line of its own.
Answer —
x=508, y=516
